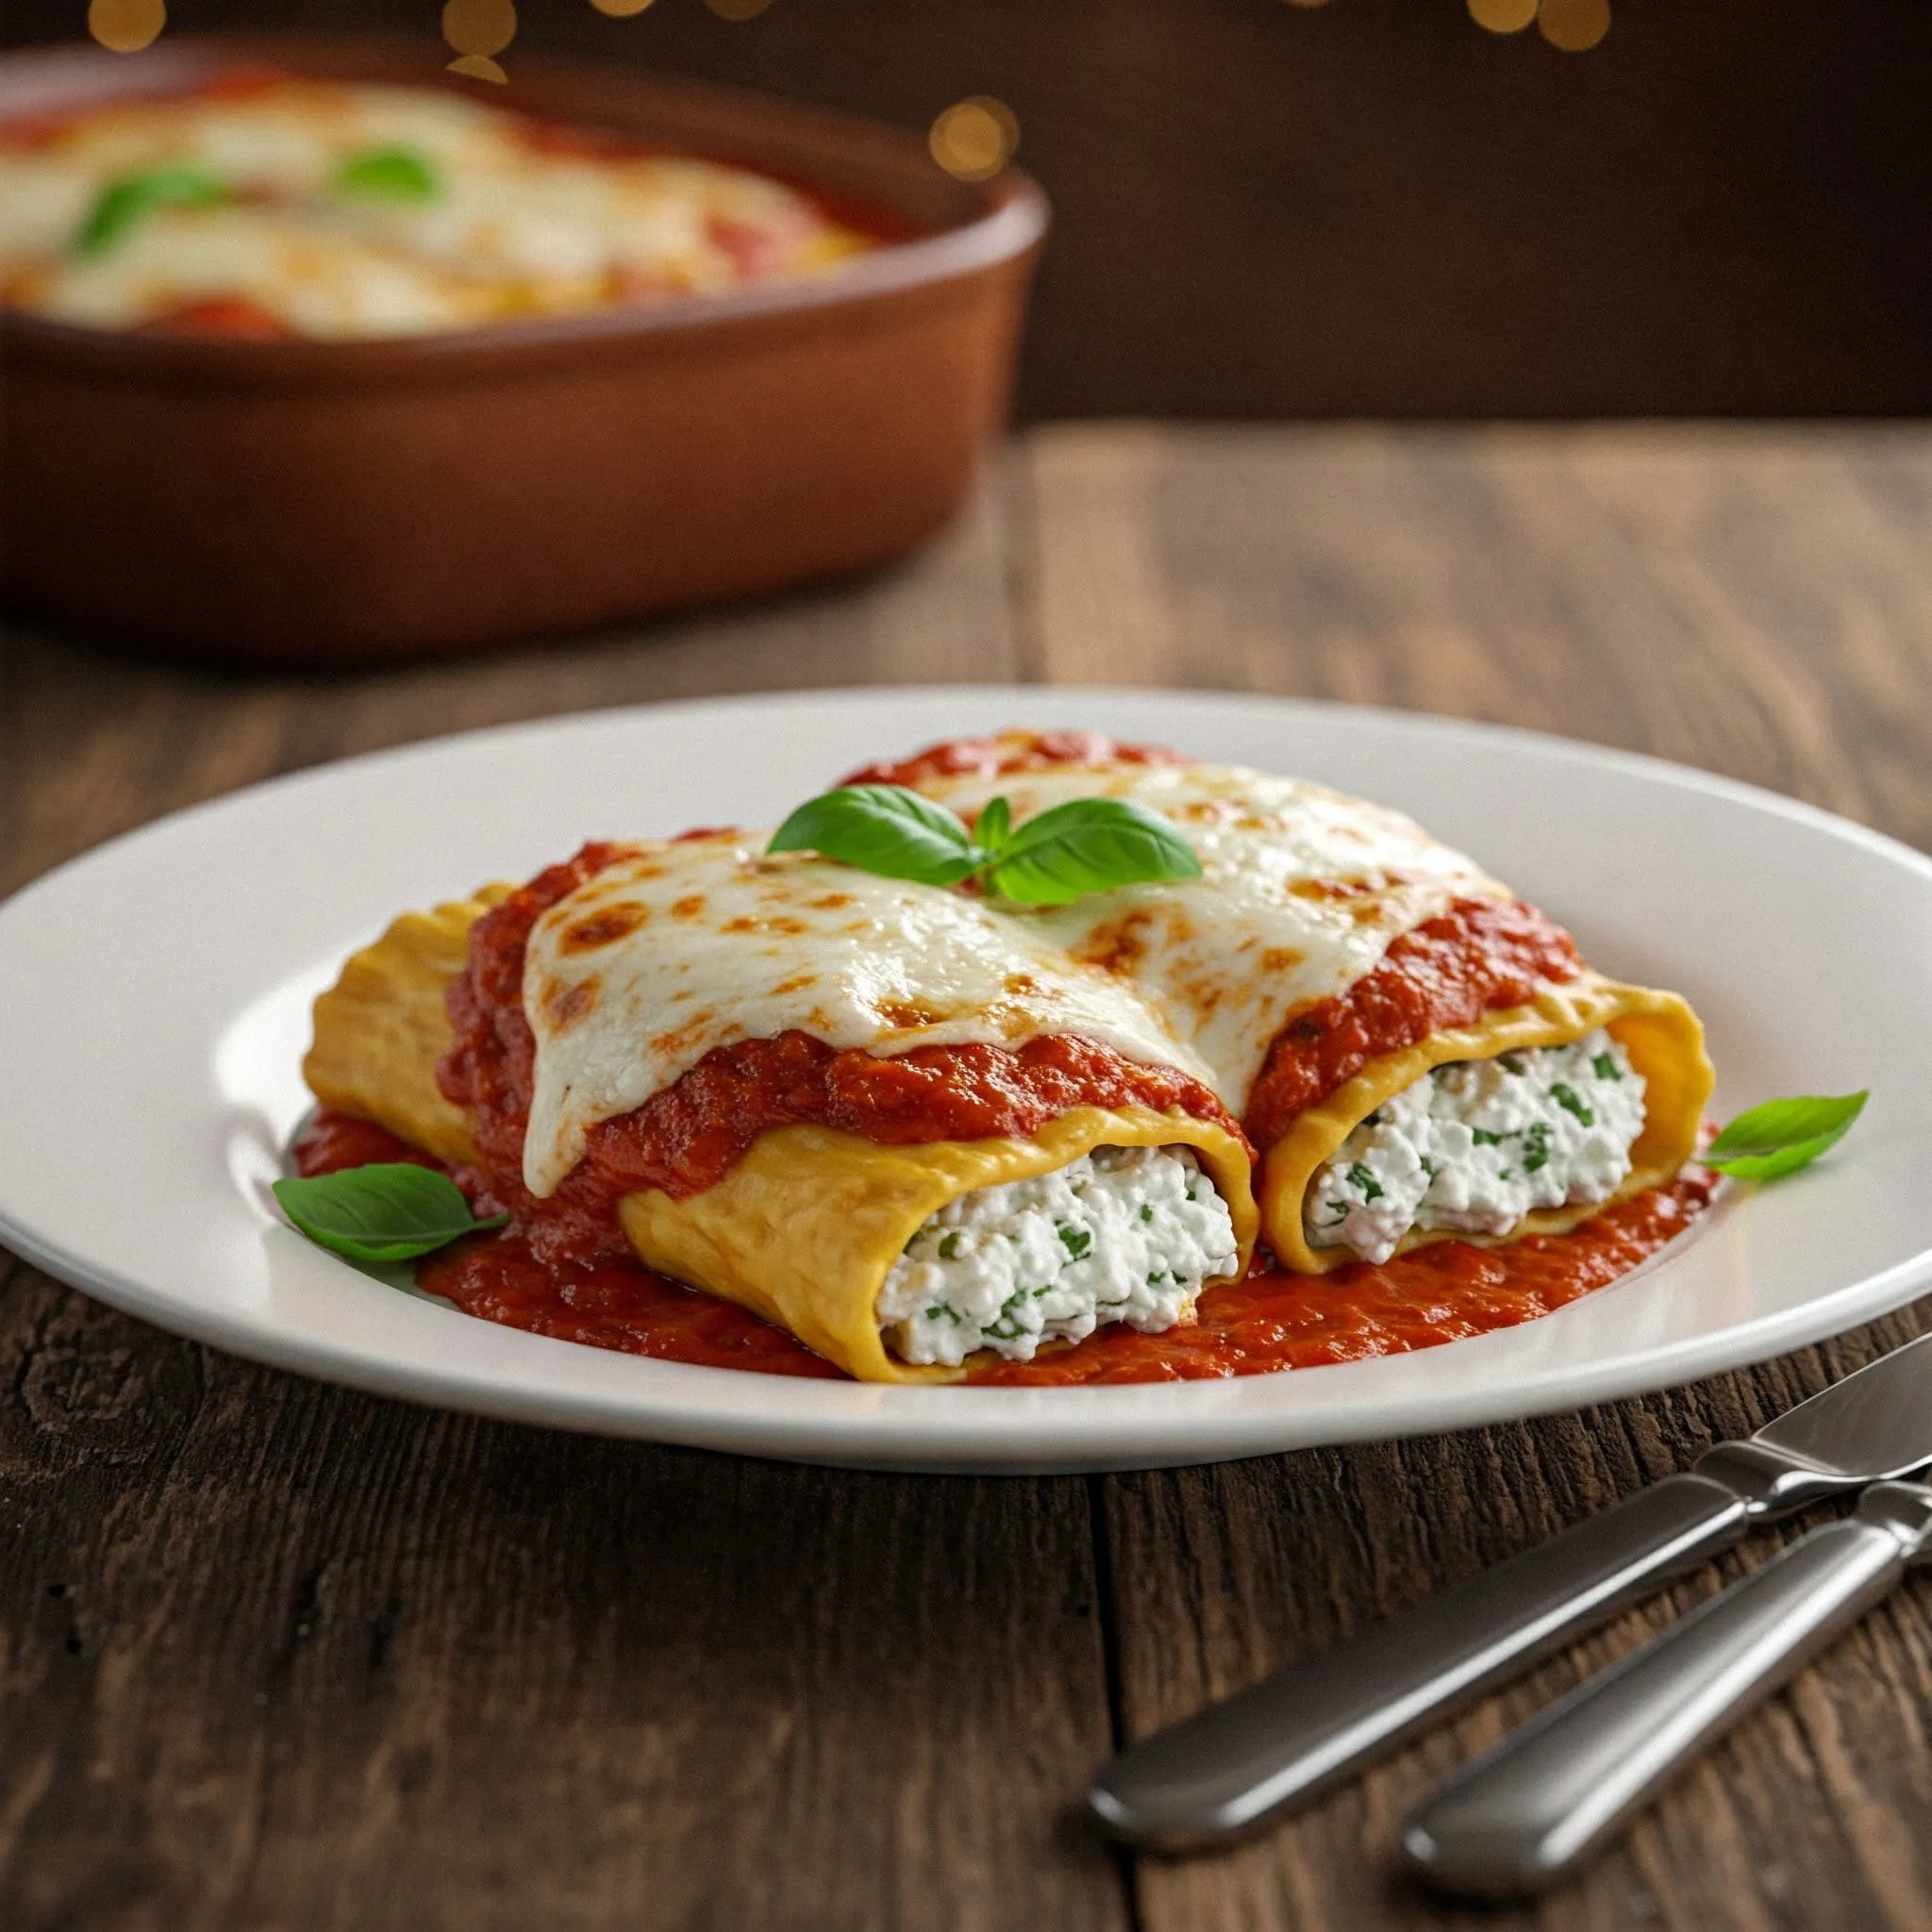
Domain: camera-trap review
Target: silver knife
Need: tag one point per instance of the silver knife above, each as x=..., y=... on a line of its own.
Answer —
x=1237, y=1764
x=1526, y=1814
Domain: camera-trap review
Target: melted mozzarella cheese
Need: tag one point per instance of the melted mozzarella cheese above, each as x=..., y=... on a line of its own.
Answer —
x=1302, y=891
x=681, y=947
x=513, y=228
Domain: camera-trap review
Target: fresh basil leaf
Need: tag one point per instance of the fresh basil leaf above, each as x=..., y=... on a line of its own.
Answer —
x=389, y=174
x=1089, y=845
x=123, y=204
x=1782, y=1136
x=993, y=829
x=387, y=1211
x=884, y=829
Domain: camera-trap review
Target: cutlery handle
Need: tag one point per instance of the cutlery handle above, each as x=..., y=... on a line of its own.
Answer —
x=1233, y=1766
x=1519, y=1818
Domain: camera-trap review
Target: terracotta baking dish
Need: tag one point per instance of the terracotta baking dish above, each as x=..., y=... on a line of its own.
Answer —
x=315, y=502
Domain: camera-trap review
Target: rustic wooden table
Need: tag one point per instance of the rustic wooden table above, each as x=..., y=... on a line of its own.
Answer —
x=276, y=1655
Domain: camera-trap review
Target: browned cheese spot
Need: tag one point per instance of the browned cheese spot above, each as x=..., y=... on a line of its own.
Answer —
x=1280, y=959
x=564, y=1005
x=690, y=906
x=830, y=902
x=680, y=1040
x=603, y=928
x=1118, y=945
x=796, y=984
x=908, y=1014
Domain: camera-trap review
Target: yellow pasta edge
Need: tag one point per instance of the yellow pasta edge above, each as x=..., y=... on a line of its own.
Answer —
x=1659, y=1030
x=805, y=1226
x=380, y=1029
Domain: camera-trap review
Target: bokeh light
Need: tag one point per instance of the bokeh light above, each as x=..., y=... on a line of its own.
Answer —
x=126, y=26
x=620, y=10
x=1573, y=25
x=738, y=9
x=1503, y=16
x=482, y=28
x=480, y=67
x=975, y=138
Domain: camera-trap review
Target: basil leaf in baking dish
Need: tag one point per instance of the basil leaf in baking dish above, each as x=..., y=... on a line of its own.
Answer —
x=387, y=1211
x=1089, y=846
x=1782, y=1136
x=389, y=174
x=123, y=204
x=884, y=829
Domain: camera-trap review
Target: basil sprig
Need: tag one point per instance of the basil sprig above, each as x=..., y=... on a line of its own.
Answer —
x=389, y=174
x=125, y=204
x=1085, y=845
x=387, y=1211
x=1782, y=1136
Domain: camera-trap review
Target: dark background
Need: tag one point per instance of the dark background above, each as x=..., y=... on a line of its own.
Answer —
x=1375, y=208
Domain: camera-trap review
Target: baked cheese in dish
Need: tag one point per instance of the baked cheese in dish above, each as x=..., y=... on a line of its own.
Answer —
x=332, y=210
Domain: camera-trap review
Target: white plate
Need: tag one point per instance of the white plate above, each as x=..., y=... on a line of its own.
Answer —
x=153, y=1005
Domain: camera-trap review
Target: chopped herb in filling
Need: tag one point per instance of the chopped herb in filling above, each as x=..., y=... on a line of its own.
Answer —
x=1477, y=1144
x=1124, y=1234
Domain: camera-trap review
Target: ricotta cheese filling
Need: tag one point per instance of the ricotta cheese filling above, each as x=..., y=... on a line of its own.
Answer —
x=1477, y=1144
x=1123, y=1234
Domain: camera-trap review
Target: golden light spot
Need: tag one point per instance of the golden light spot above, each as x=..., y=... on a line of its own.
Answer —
x=126, y=26
x=1503, y=16
x=620, y=10
x=479, y=67
x=480, y=27
x=975, y=138
x=1573, y=25
x=738, y=9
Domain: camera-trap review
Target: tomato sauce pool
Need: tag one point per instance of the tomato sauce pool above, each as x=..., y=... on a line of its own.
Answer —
x=1273, y=1320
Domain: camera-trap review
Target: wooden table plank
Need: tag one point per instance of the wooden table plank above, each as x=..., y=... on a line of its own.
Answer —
x=1753, y=600
x=318, y=1660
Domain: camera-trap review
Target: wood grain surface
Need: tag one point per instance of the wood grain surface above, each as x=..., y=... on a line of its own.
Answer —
x=275, y=1655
